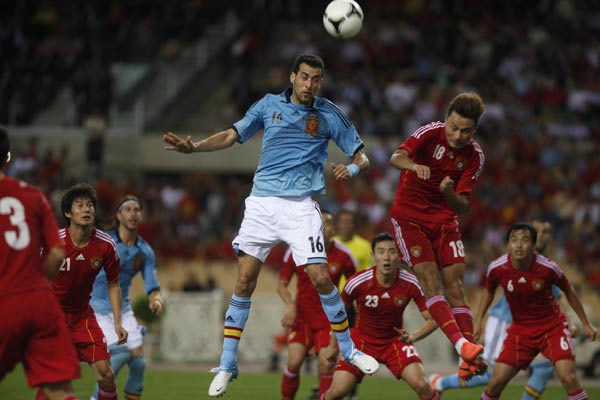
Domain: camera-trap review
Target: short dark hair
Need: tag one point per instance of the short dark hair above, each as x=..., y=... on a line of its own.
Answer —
x=522, y=226
x=4, y=144
x=468, y=105
x=310, y=60
x=78, y=190
x=381, y=237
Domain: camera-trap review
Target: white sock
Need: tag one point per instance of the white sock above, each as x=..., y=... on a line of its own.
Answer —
x=459, y=344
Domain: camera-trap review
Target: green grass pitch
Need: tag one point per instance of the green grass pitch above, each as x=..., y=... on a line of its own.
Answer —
x=175, y=385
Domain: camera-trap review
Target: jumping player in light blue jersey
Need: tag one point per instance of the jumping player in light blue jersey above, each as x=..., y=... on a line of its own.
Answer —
x=297, y=128
x=136, y=256
x=499, y=319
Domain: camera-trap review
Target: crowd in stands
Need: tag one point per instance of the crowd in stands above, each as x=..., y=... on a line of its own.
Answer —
x=537, y=66
x=46, y=46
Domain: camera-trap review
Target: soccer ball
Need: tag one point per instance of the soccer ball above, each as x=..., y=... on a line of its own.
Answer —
x=343, y=18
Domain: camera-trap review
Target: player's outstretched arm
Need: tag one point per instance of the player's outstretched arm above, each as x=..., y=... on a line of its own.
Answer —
x=589, y=329
x=54, y=258
x=425, y=329
x=401, y=161
x=459, y=203
x=114, y=295
x=218, y=141
x=155, y=302
x=360, y=162
x=484, y=305
x=290, y=312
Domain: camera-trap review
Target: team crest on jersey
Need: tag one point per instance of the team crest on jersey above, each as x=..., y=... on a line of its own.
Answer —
x=460, y=163
x=538, y=284
x=312, y=125
x=96, y=262
x=138, y=262
x=399, y=301
x=416, y=251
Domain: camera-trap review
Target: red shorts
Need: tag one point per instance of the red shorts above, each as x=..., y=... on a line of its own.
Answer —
x=33, y=331
x=524, y=342
x=309, y=336
x=422, y=241
x=396, y=355
x=87, y=336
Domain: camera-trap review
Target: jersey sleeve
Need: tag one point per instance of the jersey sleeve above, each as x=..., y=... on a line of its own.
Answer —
x=470, y=176
x=252, y=121
x=349, y=267
x=559, y=278
x=342, y=130
x=112, y=264
x=49, y=226
x=149, y=270
x=419, y=139
x=288, y=268
x=490, y=281
x=350, y=292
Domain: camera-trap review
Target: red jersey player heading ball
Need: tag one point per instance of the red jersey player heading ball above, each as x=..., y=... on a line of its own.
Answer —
x=440, y=165
x=33, y=328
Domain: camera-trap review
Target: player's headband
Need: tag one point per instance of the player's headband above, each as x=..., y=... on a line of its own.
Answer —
x=128, y=200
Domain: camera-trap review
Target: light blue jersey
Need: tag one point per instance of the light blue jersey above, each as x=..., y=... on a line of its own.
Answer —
x=501, y=310
x=295, y=142
x=136, y=258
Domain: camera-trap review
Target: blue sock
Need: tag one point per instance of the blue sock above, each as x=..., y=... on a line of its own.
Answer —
x=135, y=379
x=336, y=314
x=119, y=354
x=452, y=381
x=235, y=320
x=541, y=371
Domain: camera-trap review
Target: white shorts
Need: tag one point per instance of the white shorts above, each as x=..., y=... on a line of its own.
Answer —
x=271, y=220
x=134, y=330
x=495, y=333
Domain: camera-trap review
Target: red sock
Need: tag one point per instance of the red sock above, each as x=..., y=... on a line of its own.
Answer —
x=324, y=383
x=434, y=396
x=104, y=394
x=486, y=396
x=464, y=319
x=40, y=394
x=578, y=395
x=289, y=384
x=440, y=311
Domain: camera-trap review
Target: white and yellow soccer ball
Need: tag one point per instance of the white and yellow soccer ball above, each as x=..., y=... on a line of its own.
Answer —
x=343, y=18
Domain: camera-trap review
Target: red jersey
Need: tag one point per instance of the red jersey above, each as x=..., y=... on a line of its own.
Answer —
x=73, y=284
x=381, y=308
x=529, y=292
x=26, y=225
x=422, y=199
x=308, y=303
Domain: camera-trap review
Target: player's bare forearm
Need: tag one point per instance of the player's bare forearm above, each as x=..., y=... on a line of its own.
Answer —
x=425, y=329
x=52, y=261
x=284, y=292
x=484, y=305
x=456, y=202
x=361, y=159
x=400, y=160
x=155, y=302
x=115, y=297
x=576, y=305
x=218, y=141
